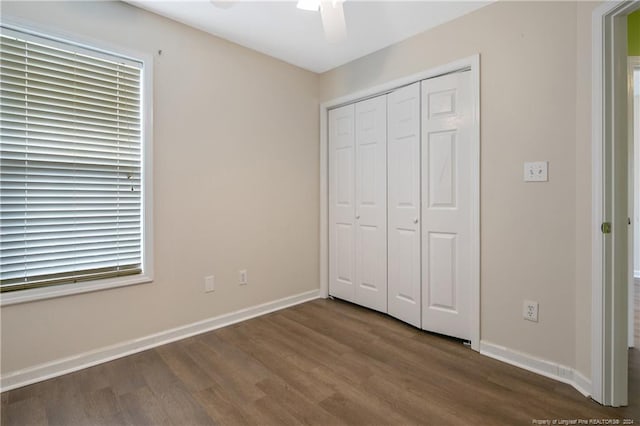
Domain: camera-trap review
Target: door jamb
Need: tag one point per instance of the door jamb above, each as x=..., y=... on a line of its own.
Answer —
x=472, y=63
x=633, y=64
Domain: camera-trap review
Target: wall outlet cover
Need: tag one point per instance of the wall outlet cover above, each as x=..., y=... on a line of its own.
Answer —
x=536, y=171
x=530, y=310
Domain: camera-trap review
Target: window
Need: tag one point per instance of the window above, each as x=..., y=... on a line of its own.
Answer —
x=72, y=171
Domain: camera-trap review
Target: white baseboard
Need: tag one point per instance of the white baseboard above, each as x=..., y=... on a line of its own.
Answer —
x=543, y=367
x=581, y=383
x=37, y=373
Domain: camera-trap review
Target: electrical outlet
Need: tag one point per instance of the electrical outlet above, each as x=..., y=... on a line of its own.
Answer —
x=530, y=310
x=536, y=171
x=209, y=284
x=242, y=277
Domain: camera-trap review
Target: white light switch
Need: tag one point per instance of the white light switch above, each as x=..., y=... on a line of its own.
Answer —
x=209, y=284
x=536, y=171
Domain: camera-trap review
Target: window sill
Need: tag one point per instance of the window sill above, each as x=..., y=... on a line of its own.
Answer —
x=32, y=295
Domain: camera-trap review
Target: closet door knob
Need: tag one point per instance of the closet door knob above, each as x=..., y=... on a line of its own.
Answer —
x=415, y=220
x=357, y=216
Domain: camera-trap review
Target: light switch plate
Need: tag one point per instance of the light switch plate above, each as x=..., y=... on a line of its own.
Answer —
x=209, y=284
x=536, y=171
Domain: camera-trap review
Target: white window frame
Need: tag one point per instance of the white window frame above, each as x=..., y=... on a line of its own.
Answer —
x=146, y=276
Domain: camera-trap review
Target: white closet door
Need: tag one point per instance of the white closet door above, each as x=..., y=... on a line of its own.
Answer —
x=404, y=204
x=342, y=267
x=446, y=204
x=371, y=203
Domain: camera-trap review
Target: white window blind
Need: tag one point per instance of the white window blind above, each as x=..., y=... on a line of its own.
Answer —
x=70, y=163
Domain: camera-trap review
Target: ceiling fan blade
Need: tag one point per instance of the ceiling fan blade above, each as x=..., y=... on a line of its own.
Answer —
x=223, y=4
x=310, y=5
x=335, y=27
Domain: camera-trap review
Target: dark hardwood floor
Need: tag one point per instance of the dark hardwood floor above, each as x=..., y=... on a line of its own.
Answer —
x=323, y=362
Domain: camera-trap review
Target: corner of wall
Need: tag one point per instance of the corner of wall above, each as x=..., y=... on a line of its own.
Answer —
x=583, y=211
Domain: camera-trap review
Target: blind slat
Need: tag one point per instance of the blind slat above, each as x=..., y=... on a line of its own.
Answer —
x=19, y=121
x=18, y=67
x=14, y=109
x=49, y=280
x=65, y=56
x=89, y=242
x=66, y=107
x=75, y=93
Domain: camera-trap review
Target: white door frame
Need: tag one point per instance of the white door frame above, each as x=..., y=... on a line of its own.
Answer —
x=608, y=310
x=633, y=64
x=472, y=63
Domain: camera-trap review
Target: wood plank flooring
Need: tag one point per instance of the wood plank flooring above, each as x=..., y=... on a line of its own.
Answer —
x=324, y=362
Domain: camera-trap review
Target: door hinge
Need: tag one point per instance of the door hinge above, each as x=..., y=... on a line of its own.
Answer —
x=605, y=227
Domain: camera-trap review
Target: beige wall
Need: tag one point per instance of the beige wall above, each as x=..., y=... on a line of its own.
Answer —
x=528, y=112
x=235, y=186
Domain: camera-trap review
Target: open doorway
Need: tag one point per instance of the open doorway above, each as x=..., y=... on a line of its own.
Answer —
x=612, y=212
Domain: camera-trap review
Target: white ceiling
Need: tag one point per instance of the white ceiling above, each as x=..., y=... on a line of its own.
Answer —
x=279, y=29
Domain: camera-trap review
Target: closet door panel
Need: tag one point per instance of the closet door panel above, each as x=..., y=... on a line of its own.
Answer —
x=342, y=240
x=446, y=208
x=371, y=203
x=403, y=120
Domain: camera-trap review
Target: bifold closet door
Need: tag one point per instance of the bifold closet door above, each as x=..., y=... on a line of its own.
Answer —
x=446, y=204
x=403, y=153
x=342, y=266
x=357, y=200
x=371, y=203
